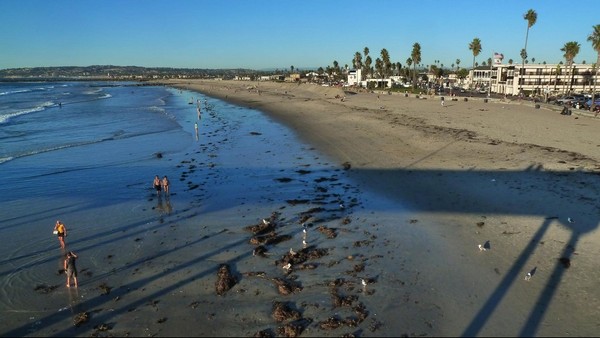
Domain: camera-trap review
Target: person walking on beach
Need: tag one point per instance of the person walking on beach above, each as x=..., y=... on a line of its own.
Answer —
x=165, y=185
x=157, y=185
x=70, y=268
x=61, y=231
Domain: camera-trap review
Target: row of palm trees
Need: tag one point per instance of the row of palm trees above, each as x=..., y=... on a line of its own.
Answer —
x=384, y=67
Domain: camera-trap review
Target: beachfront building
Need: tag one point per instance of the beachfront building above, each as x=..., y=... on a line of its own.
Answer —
x=354, y=77
x=536, y=79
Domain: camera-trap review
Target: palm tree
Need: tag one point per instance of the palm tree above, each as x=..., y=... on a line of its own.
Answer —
x=594, y=38
x=379, y=68
x=475, y=47
x=408, y=64
x=385, y=63
x=457, y=63
x=531, y=17
x=416, y=59
x=367, y=64
x=357, y=61
x=571, y=49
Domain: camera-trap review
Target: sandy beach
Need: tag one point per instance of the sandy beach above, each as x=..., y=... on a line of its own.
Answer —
x=521, y=181
x=327, y=212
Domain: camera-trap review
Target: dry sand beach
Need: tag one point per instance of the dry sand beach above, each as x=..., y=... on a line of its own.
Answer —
x=523, y=182
x=396, y=195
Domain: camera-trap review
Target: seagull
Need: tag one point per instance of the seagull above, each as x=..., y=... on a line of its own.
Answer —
x=265, y=222
x=528, y=276
x=570, y=220
x=364, y=282
x=481, y=247
x=288, y=266
x=304, y=243
x=341, y=205
x=292, y=252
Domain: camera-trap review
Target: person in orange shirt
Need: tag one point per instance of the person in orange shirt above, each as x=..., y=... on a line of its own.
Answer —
x=61, y=232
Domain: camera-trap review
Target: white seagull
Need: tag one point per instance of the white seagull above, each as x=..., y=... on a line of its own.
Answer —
x=288, y=266
x=292, y=252
x=481, y=247
x=570, y=220
x=364, y=282
x=265, y=222
x=528, y=276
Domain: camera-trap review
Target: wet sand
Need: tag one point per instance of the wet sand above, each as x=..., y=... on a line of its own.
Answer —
x=394, y=191
x=523, y=180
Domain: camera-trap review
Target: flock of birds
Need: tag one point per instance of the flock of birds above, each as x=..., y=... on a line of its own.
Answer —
x=486, y=246
x=288, y=266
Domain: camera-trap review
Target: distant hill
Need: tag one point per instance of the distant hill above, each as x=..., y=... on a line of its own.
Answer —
x=118, y=72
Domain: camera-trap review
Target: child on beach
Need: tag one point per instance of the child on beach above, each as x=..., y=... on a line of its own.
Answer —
x=157, y=185
x=165, y=185
x=70, y=268
x=61, y=231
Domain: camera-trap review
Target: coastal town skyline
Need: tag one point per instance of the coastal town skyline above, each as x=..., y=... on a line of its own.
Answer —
x=283, y=34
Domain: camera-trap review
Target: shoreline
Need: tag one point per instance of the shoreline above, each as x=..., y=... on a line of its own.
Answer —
x=521, y=172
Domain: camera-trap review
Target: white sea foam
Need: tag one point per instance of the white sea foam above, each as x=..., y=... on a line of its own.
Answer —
x=5, y=159
x=15, y=91
x=5, y=117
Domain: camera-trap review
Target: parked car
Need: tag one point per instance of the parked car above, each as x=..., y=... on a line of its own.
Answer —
x=587, y=104
x=569, y=99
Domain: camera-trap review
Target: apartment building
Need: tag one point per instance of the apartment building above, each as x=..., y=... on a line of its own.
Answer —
x=540, y=79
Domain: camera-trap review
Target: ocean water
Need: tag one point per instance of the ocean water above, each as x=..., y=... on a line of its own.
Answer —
x=85, y=153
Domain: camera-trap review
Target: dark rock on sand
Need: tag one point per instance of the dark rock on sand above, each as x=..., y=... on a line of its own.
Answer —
x=225, y=280
x=329, y=232
x=282, y=312
x=286, y=286
x=81, y=318
x=261, y=228
x=330, y=323
x=293, y=329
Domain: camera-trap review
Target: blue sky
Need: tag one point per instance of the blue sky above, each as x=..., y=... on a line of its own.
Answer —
x=261, y=34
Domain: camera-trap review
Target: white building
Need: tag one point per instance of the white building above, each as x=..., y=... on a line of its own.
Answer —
x=538, y=79
x=354, y=77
